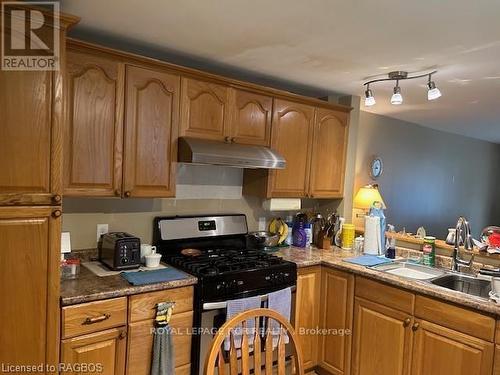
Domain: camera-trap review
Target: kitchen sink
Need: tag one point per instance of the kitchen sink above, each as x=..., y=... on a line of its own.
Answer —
x=465, y=284
x=410, y=270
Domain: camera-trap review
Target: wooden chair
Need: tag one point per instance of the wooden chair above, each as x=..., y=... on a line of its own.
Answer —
x=239, y=359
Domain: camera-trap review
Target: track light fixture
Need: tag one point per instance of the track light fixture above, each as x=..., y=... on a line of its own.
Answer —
x=397, y=99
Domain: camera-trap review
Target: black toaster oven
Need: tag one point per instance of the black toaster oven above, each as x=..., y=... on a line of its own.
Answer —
x=120, y=251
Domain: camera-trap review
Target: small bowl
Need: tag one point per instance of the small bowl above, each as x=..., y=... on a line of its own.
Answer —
x=153, y=260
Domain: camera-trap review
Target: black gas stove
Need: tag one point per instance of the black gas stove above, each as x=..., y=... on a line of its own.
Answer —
x=225, y=268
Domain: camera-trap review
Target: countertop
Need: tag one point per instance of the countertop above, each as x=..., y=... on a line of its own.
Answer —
x=334, y=258
x=90, y=287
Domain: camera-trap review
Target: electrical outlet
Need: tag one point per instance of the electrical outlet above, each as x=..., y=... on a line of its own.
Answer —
x=101, y=229
x=262, y=223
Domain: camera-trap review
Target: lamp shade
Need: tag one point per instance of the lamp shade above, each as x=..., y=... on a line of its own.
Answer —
x=366, y=196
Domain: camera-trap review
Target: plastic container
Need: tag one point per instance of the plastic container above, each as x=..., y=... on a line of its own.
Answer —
x=429, y=251
x=70, y=268
x=347, y=236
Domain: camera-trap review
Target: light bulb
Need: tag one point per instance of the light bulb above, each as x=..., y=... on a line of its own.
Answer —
x=397, y=98
x=369, y=99
x=433, y=92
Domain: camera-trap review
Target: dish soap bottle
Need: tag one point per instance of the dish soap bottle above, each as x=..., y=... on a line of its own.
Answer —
x=429, y=251
x=391, y=244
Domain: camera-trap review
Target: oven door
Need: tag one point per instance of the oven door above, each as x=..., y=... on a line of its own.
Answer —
x=213, y=316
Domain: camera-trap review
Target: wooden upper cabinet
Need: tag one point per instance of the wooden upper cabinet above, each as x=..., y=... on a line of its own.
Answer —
x=30, y=142
x=439, y=350
x=382, y=339
x=151, y=115
x=251, y=115
x=29, y=285
x=291, y=137
x=204, y=109
x=93, y=135
x=328, y=154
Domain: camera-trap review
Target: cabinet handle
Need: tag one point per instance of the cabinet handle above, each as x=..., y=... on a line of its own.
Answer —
x=56, y=198
x=123, y=334
x=233, y=140
x=97, y=319
x=227, y=139
x=415, y=326
x=406, y=322
x=128, y=194
x=57, y=213
x=118, y=192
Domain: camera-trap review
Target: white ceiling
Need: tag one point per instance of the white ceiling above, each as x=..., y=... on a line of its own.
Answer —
x=334, y=45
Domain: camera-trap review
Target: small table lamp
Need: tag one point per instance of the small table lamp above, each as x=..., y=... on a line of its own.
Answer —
x=364, y=199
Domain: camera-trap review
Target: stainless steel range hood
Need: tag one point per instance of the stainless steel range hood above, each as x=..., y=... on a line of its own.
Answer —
x=203, y=151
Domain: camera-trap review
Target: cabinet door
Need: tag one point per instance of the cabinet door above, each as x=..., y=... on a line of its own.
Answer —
x=307, y=303
x=439, y=350
x=30, y=139
x=140, y=344
x=337, y=292
x=151, y=115
x=29, y=285
x=328, y=154
x=93, y=135
x=250, y=118
x=382, y=340
x=105, y=349
x=204, y=109
x=496, y=366
x=292, y=132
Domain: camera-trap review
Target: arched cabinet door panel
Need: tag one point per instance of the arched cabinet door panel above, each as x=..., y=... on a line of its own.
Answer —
x=204, y=109
x=292, y=131
x=93, y=135
x=328, y=154
x=151, y=117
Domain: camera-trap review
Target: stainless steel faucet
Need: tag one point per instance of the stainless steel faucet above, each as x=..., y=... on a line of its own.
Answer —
x=462, y=235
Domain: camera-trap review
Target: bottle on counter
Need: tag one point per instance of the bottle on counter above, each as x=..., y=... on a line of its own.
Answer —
x=299, y=235
x=289, y=224
x=429, y=251
x=391, y=244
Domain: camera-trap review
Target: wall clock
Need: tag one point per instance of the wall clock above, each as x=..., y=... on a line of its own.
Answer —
x=376, y=167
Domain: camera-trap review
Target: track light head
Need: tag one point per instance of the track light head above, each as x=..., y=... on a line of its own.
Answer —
x=369, y=98
x=433, y=92
x=397, y=98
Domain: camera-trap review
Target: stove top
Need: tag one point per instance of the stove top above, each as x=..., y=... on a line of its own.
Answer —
x=223, y=261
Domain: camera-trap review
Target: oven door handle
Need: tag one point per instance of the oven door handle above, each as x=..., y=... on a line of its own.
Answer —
x=222, y=305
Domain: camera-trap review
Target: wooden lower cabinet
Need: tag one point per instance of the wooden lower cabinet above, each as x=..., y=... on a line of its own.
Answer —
x=439, y=350
x=337, y=292
x=307, y=312
x=103, y=352
x=140, y=344
x=496, y=366
x=382, y=339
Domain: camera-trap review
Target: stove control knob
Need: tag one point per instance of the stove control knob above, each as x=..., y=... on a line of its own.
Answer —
x=221, y=286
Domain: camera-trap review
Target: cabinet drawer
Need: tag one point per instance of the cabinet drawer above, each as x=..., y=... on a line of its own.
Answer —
x=143, y=306
x=93, y=316
x=384, y=294
x=455, y=317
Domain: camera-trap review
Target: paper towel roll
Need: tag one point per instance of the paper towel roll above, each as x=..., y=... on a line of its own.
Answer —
x=372, y=235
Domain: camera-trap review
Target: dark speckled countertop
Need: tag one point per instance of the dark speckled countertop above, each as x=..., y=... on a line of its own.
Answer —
x=90, y=287
x=334, y=258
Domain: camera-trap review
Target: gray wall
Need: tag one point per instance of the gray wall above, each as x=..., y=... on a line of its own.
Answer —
x=430, y=177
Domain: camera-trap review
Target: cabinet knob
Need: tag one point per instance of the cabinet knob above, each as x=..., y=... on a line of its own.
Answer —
x=233, y=140
x=227, y=139
x=415, y=326
x=57, y=198
x=406, y=322
x=123, y=334
x=57, y=213
x=118, y=192
x=128, y=194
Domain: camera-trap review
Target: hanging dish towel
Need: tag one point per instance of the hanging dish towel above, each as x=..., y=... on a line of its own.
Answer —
x=279, y=301
x=163, y=348
x=236, y=306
